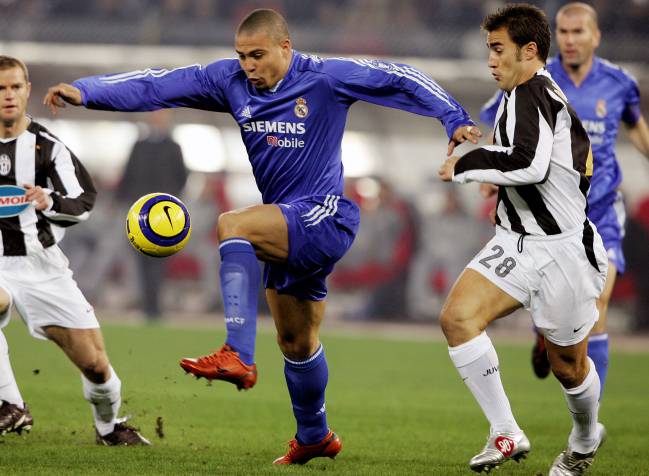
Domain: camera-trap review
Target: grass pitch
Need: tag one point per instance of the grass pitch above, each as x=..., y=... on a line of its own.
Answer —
x=399, y=407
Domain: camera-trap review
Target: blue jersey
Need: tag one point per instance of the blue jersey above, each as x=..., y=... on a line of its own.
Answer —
x=607, y=96
x=293, y=132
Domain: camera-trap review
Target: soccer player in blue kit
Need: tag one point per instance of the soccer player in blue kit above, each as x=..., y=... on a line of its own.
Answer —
x=603, y=95
x=291, y=109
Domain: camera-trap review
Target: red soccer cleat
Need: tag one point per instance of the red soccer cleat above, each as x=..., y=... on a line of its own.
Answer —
x=330, y=446
x=223, y=364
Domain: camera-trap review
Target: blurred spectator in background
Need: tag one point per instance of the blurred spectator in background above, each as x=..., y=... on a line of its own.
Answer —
x=379, y=264
x=449, y=237
x=635, y=247
x=154, y=165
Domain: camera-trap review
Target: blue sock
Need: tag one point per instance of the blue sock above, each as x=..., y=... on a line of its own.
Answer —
x=240, y=279
x=306, y=382
x=598, y=352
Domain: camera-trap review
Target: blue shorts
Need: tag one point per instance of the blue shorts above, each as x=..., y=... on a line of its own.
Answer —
x=610, y=220
x=321, y=229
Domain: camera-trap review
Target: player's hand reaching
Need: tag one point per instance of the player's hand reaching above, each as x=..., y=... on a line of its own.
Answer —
x=57, y=97
x=38, y=197
x=445, y=172
x=488, y=190
x=463, y=134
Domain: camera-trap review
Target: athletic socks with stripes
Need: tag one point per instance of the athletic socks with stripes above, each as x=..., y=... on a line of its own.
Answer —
x=598, y=352
x=477, y=363
x=240, y=281
x=307, y=380
x=105, y=400
x=8, y=387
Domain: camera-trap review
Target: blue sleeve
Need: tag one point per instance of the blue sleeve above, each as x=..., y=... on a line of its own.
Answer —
x=394, y=85
x=631, y=113
x=490, y=109
x=147, y=90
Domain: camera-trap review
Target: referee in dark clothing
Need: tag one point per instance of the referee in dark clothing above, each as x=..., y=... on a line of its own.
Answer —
x=155, y=165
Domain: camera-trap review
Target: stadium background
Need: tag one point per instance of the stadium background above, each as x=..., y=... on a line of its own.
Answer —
x=393, y=395
x=427, y=230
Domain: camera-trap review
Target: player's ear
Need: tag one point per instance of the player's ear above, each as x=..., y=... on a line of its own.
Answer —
x=597, y=36
x=530, y=51
x=286, y=44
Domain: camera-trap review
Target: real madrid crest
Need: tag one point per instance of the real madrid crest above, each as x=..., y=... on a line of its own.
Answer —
x=5, y=164
x=301, y=109
x=600, y=108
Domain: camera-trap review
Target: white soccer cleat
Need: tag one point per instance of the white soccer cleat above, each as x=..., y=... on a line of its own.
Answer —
x=571, y=463
x=500, y=447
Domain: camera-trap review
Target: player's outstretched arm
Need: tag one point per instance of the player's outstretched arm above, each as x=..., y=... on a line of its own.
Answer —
x=461, y=135
x=639, y=136
x=57, y=97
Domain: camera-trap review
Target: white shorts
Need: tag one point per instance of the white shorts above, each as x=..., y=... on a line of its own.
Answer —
x=44, y=293
x=552, y=277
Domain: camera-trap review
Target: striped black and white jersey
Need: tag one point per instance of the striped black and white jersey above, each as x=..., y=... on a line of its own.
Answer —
x=541, y=160
x=37, y=157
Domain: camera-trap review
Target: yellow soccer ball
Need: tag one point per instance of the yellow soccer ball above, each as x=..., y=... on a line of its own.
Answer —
x=158, y=225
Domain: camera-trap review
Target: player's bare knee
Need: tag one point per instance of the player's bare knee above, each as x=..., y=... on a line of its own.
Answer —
x=456, y=321
x=229, y=225
x=571, y=373
x=95, y=367
x=293, y=347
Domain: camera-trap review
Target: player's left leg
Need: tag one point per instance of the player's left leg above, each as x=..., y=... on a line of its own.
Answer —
x=14, y=415
x=580, y=382
x=245, y=235
x=305, y=368
x=101, y=385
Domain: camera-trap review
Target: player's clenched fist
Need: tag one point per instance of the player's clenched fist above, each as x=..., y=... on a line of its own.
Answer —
x=60, y=94
x=38, y=197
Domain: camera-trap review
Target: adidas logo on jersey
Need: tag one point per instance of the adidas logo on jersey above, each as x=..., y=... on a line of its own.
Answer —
x=246, y=112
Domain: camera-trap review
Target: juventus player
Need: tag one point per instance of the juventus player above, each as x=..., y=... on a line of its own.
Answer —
x=545, y=256
x=43, y=189
x=604, y=96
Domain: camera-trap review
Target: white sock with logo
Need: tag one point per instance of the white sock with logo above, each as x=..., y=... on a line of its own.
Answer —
x=477, y=363
x=105, y=399
x=583, y=402
x=8, y=387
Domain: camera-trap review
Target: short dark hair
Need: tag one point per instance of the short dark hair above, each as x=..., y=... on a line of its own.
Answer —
x=8, y=62
x=524, y=23
x=265, y=19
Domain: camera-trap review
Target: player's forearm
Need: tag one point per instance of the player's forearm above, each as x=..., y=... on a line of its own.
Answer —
x=504, y=166
x=69, y=211
x=639, y=136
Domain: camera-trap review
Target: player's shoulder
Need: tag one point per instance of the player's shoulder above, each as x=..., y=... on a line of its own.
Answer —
x=536, y=85
x=333, y=65
x=224, y=69
x=615, y=71
x=42, y=133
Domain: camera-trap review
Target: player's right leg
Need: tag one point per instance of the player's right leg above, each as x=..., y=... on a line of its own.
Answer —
x=474, y=302
x=245, y=235
x=14, y=415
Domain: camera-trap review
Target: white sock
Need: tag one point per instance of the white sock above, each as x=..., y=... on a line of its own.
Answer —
x=477, y=363
x=8, y=387
x=105, y=399
x=583, y=402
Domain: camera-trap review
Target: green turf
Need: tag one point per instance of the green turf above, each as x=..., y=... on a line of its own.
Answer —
x=399, y=407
